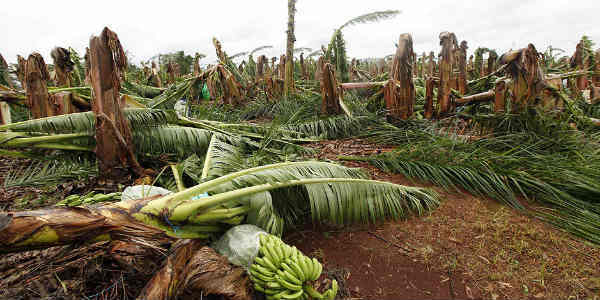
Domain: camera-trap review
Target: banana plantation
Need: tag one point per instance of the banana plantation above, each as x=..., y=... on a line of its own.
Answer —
x=303, y=142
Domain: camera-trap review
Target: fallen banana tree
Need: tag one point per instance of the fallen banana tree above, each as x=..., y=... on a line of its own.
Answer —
x=327, y=192
x=275, y=197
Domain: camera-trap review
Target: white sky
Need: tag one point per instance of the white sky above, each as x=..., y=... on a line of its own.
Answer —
x=146, y=28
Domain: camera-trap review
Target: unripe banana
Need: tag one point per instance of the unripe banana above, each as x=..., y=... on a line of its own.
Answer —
x=309, y=267
x=263, y=239
x=266, y=279
x=256, y=280
x=76, y=202
x=312, y=292
x=328, y=295
x=295, y=295
x=287, y=250
x=334, y=288
x=259, y=288
x=264, y=252
x=271, y=292
x=270, y=263
x=274, y=255
x=305, y=269
x=273, y=284
x=262, y=270
x=288, y=274
x=288, y=285
x=279, y=249
x=297, y=270
x=319, y=269
x=265, y=263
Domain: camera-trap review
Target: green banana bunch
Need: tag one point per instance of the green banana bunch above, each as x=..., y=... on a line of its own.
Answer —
x=90, y=198
x=283, y=272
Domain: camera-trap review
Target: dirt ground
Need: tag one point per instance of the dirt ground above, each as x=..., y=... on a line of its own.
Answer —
x=468, y=248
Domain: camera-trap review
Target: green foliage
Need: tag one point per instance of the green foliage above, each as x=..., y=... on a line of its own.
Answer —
x=237, y=55
x=531, y=155
x=171, y=140
x=340, y=59
x=371, y=18
x=173, y=93
x=85, y=121
x=185, y=61
x=260, y=49
x=46, y=173
x=589, y=54
x=343, y=197
x=137, y=89
x=336, y=50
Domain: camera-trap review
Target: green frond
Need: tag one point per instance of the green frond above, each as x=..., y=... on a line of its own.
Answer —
x=238, y=55
x=173, y=140
x=173, y=93
x=331, y=127
x=371, y=18
x=224, y=155
x=141, y=90
x=327, y=192
x=192, y=167
x=482, y=182
x=143, y=118
x=78, y=74
x=57, y=171
x=260, y=49
x=69, y=123
x=139, y=118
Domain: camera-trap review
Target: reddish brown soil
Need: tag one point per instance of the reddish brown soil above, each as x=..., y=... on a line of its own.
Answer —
x=378, y=269
x=468, y=248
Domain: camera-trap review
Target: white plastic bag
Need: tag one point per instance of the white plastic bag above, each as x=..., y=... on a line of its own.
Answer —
x=240, y=244
x=143, y=191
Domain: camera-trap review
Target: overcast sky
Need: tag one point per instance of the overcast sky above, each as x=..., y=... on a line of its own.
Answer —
x=146, y=28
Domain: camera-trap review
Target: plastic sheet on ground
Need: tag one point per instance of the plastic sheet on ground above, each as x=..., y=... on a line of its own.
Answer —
x=240, y=244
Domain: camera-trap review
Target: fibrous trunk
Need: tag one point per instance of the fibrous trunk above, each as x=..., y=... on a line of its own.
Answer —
x=21, y=70
x=4, y=75
x=171, y=72
x=329, y=90
x=446, y=74
x=63, y=66
x=462, y=68
x=399, y=91
x=281, y=67
x=431, y=64
x=261, y=63
x=500, y=96
x=194, y=268
x=596, y=77
x=36, y=75
x=197, y=69
x=429, y=84
x=303, y=67
x=525, y=74
x=471, y=68
x=480, y=97
x=580, y=63
x=491, y=63
x=288, y=85
x=4, y=113
x=43, y=228
x=154, y=78
x=114, y=147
